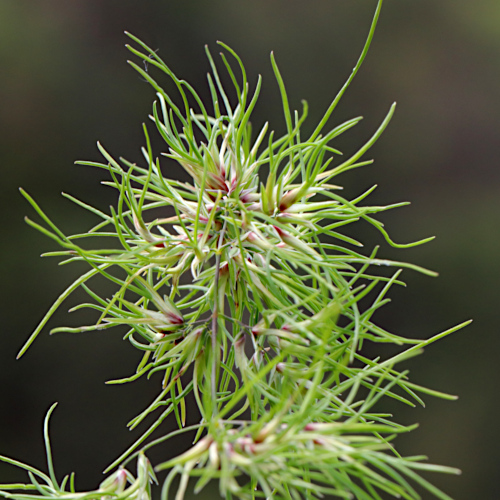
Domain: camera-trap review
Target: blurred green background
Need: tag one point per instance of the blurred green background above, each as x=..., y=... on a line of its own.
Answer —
x=64, y=85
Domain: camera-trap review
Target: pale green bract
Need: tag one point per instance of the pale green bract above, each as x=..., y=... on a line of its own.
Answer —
x=243, y=292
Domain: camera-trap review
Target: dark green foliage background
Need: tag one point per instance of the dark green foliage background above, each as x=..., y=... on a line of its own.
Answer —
x=64, y=85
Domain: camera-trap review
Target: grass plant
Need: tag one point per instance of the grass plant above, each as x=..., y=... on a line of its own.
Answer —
x=241, y=289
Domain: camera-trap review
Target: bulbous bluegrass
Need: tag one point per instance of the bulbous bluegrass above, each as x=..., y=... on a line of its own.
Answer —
x=241, y=289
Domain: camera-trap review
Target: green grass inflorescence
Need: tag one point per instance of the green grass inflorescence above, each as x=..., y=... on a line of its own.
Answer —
x=242, y=291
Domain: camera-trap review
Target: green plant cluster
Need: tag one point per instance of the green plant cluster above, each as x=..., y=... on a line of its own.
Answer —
x=242, y=292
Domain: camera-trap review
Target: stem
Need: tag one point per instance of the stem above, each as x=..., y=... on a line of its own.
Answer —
x=215, y=320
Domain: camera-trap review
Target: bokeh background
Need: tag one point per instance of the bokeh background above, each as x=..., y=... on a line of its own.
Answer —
x=64, y=84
